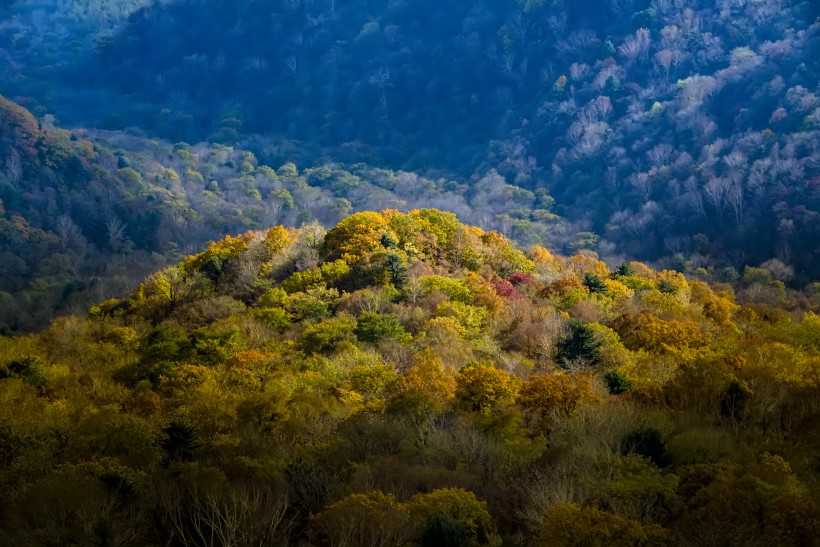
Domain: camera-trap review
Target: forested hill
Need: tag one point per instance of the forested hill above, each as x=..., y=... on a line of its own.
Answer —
x=88, y=215
x=404, y=379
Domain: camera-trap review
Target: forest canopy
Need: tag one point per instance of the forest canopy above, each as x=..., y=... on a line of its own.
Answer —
x=405, y=379
x=535, y=273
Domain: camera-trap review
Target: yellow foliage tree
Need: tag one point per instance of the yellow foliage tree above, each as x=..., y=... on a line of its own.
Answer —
x=481, y=387
x=558, y=393
x=582, y=263
x=647, y=331
x=568, y=525
x=503, y=257
x=428, y=377
x=276, y=239
x=356, y=237
x=617, y=290
x=545, y=262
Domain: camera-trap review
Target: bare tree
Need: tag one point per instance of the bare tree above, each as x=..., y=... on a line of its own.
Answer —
x=13, y=167
x=716, y=191
x=660, y=155
x=642, y=183
x=543, y=488
x=735, y=197
x=663, y=60
x=67, y=231
x=116, y=233
x=231, y=516
x=636, y=46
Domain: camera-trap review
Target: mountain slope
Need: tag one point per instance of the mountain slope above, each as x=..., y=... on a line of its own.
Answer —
x=86, y=215
x=405, y=378
x=671, y=127
x=682, y=131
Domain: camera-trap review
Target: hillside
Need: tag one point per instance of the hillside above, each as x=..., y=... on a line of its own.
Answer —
x=683, y=131
x=85, y=215
x=404, y=379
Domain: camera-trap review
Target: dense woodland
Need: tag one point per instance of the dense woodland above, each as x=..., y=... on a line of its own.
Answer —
x=430, y=375
x=666, y=127
x=85, y=216
x=404, y=379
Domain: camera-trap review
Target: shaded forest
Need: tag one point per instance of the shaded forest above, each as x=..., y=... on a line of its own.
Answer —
x=665, y=127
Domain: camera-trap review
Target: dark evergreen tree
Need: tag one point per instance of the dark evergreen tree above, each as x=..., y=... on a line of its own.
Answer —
x=580, y=344
x=594, y=284
x=646, y=442
x=180, y=443
x=397, y=270
x=617, y=382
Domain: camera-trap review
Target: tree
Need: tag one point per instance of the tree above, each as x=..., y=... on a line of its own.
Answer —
x=196, y=504
x=95, y=502
x=594, y=284
x=276, y=239
x=181, y=443
x=648, y=443
x=624, y=270
x=616, y=382
x=30, y=369
x=503, y=257
x=356, y=237
x=172, y=287
x=481, y=387
x=426, y=385
x=372, y=381
x=396, y=269
x=373, y=327
x=646, y=330
x=325, y=336
x=558, y=393
x=579, y=347
x=569, y=525
x=731, y=504
x=303, y=281
x=373, y=519
x=452, y=517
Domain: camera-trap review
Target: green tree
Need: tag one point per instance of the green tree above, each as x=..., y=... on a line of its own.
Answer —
x=579, y=347
x=616, y=382
x=180, y=443
x=325, y=336
x=452, y=517
x=374, y=519
x=373, y=327
x=594, y=284
x=396, y=269
x=568, y=525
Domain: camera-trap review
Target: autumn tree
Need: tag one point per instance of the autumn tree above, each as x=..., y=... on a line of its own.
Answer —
x=356, y=236
x=450, y=517
x=481, y=387
x=568, y=524
x=374, y=519
x=554, y=394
